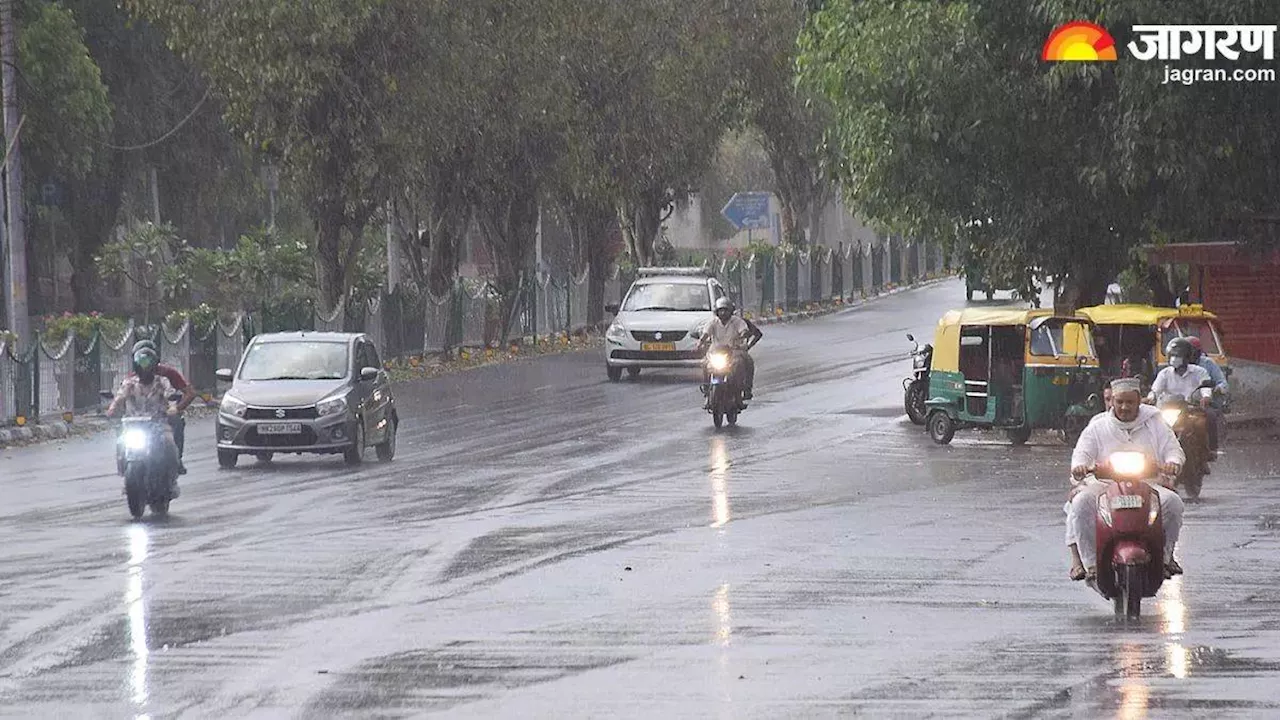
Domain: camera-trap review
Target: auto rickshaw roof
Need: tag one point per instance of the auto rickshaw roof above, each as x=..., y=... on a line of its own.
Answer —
x=1135, y=314
x=994, y=316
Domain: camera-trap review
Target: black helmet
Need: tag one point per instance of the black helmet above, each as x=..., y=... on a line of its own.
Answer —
x=1182, y=348
x=147, y=344
x=144, y=363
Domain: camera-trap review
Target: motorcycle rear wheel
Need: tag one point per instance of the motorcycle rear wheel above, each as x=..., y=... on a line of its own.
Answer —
x=914, y=403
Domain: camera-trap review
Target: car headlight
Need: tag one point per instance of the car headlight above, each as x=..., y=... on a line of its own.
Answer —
x=718, y=361
x=1128, y=464
x=332, y=406
x=135, y=439
x=233, y=406
x=616, y=333
x=1171, y=416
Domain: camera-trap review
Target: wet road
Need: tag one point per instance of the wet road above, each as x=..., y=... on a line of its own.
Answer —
x=548, y=544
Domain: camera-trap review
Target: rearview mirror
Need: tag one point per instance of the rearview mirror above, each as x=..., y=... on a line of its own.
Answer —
x=223, y=374
x=911, y=337
x=369, y=374
x=612, y=308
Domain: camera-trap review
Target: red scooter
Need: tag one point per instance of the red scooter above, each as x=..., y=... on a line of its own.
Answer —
x=1130, y=533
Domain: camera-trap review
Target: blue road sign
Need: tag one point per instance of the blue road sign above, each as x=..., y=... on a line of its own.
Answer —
x=747, y=210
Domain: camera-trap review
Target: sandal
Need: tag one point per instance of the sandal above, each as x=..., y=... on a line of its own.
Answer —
x=1079, y=573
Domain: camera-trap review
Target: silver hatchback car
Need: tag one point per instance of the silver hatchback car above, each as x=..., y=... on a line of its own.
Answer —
x=307, y=392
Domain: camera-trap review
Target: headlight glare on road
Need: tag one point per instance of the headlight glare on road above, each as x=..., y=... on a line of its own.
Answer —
x=232, y=405
x=718, y=361
x=616, y=333
x=135, y=439
x=332, y=406
x=1171, y=416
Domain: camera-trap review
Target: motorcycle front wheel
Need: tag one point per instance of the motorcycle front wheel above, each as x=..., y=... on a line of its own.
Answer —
x=913, y=402
x=135, y=489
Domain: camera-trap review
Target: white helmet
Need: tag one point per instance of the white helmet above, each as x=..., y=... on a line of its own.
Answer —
x=723, y=303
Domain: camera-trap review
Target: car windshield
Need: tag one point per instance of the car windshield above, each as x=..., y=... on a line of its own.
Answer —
x=1054, y=339
x=296, y=361
x=668, y=296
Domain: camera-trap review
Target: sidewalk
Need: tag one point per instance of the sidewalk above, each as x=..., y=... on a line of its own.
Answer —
x=1255, y=394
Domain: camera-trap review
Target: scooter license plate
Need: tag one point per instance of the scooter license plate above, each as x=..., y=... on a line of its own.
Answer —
x=1126, y=502
x=280, y=429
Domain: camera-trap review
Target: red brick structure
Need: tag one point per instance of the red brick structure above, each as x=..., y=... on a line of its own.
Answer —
x=1241, y=288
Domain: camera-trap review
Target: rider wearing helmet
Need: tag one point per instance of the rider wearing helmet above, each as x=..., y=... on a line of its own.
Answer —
x=180, y=384
x=736, y=334
x=146, y=393
x=1184, y=378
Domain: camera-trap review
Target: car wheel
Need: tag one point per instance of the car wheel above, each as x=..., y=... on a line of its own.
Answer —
x=227, y=459
x=615, y=373
x=355, y=454
x=387, y=448
x=265, y=457
x=633, y=371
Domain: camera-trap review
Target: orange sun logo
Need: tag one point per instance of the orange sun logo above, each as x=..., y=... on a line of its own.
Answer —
x=1079, y=40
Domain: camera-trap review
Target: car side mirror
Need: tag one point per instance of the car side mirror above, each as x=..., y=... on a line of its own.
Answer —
x=612, y=308
x=369, y=374
x=223, y=374
x=911, y=337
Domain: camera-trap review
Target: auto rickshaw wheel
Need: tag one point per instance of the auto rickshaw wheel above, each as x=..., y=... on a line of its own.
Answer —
x=941, y=427
x=1019, y=435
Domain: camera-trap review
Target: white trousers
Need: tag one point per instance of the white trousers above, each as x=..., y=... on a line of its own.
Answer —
x=1082, y=513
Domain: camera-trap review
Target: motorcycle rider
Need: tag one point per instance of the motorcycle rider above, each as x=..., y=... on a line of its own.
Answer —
x=1128, y=423
x=737, y=335
x=1183, y=378
x=1220, y=389
x=180, y=384
x=145, y=393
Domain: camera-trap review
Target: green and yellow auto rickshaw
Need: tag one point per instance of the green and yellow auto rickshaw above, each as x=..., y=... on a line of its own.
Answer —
x=1015, y=370
x=1130, y=338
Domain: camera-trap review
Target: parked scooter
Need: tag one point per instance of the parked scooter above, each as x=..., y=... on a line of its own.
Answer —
x=141, y=459
x=1129, y=533
x=915, y=389
x=1190, y=423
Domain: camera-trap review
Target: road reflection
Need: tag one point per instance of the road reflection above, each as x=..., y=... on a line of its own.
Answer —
x=139, y=543
x=1135, y=694
x=723, y=636
x=719, y=482
x=1173, y=624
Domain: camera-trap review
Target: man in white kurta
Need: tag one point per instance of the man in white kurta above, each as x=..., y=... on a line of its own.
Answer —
x=1129, y=423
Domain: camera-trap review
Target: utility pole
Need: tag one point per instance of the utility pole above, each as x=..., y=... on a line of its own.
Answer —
x=19, y=320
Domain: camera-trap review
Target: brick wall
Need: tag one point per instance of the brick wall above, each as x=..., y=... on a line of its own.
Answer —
x=1247, y=301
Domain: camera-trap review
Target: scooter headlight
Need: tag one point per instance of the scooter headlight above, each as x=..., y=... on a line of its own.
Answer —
x=1128, y=464
x=1171, y=416
x=135, y=439
x=718, y=361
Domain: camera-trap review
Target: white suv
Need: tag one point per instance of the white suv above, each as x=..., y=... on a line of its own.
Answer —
x=653, y=326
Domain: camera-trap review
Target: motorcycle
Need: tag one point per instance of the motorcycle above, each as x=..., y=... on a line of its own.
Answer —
x=915, y=389
x=1129, y=533
x=140, y=459
x=1189, y=423
x=723, y=391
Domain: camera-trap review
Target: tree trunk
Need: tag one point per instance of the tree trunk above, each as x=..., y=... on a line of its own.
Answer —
x=640, y=223
x=589, y=224
x=1158, y=282
x=1084, y=286
x=329, y=271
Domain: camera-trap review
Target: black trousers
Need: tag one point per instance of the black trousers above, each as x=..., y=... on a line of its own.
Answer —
x=179, y=425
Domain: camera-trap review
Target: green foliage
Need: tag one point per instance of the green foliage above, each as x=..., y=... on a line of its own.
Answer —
x=262, y=266
x=947, y=125
x=83, y=325
x=203, y=317
x=153, y=258
x=66, y=102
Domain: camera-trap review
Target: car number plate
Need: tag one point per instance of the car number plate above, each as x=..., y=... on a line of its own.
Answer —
x=1125, y=502
x=658, y=347
x=280, y=429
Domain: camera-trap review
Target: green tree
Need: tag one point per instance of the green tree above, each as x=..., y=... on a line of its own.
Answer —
x=948, y=125
x=152, y=258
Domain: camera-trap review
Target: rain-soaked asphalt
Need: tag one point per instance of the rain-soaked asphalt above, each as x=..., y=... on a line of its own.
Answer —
x=548, y=544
